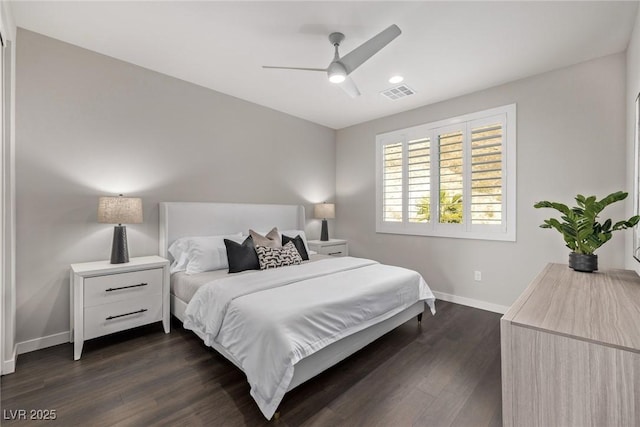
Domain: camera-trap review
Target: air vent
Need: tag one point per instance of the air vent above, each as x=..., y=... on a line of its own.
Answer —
x=398, y=92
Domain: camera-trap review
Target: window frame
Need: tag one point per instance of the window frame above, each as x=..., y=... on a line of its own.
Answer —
x=506, y=231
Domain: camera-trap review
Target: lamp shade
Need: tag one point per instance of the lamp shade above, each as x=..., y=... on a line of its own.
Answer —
x=120, y=210
x=324, y=211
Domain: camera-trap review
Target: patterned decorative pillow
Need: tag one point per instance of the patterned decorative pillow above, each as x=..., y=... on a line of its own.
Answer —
x=278, y=257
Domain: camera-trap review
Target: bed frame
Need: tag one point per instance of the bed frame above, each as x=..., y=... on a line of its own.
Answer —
x=178, y=219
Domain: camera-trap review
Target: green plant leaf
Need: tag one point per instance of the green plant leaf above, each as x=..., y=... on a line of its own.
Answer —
x=579, y=225
x=557, y=206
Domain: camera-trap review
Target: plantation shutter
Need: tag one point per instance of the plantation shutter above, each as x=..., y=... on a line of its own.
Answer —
x=419, y=180
x=487, y=171
x=392, y=181
x=451, y=176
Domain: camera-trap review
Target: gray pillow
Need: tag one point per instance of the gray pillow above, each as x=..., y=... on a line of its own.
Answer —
x=298, y=243
x=241, y=256
x=271, y=240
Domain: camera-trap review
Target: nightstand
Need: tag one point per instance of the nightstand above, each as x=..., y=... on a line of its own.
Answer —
x=333, y=247
x=107, y=298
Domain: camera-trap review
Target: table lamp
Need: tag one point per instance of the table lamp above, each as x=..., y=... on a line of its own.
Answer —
x=119, y=210
x=324, y=211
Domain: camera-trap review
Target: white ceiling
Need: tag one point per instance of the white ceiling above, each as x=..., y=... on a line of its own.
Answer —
x=446, y=49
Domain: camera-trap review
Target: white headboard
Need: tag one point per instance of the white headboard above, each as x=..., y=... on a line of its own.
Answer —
x=184, y=219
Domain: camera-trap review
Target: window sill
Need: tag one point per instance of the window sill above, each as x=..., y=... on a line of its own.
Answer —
x=454, y=234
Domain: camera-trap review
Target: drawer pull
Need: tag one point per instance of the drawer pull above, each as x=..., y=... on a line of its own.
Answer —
x=335, y=253
x=126, y=287
x=142, y=310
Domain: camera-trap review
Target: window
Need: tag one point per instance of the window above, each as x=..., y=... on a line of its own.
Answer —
x=452, y=178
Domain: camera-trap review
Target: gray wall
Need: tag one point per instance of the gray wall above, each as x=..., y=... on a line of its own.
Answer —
x=89, y=125
x=570, y=139
x=633, y=88
x=7, y=177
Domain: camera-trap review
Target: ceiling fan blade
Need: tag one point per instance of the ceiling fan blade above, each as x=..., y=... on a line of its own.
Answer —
x=296, y=68
x=350, y=87
x=366, y=50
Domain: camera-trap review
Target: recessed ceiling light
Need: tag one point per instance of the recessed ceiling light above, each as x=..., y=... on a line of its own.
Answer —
x=396, y=79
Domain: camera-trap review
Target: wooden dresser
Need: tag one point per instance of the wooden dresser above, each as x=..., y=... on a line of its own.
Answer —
x=571, y=350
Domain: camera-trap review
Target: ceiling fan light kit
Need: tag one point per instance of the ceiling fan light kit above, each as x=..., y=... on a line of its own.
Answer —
x=339, y=69
x=336, y=72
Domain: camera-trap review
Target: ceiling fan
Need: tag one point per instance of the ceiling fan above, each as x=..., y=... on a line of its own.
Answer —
x=340, y=68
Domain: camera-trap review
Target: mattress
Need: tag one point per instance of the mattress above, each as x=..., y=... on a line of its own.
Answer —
x=184, y=286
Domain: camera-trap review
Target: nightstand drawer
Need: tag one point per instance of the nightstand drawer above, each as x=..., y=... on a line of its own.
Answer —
x=108, y=318
x=333, y=250
x=122, y=286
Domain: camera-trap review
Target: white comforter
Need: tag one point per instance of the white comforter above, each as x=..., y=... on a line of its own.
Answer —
x=270, y=320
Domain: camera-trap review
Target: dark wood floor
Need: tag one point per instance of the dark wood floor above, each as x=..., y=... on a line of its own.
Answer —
x=445, y=373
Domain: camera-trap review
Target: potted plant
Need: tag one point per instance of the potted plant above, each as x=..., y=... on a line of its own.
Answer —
x=581, y=230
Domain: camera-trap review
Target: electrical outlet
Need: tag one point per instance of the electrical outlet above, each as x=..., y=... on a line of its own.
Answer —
x=477, y=276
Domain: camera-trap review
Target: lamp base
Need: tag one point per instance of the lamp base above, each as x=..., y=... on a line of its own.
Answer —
x=324, y=234
x=119, y=248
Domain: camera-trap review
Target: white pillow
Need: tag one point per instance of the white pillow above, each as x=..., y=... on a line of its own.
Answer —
x=199, y=254
x=178, y=251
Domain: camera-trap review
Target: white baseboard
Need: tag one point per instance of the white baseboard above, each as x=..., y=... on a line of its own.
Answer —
x=63, y=337
x=482, y=305
x=9, y=366
x=43, y=342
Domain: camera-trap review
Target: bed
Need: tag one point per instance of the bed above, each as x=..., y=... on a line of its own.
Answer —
x=192, y=298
